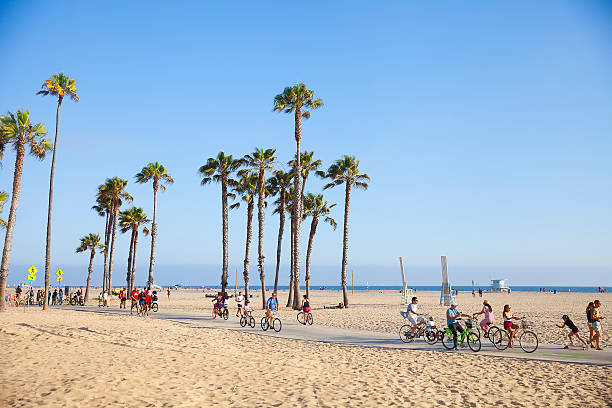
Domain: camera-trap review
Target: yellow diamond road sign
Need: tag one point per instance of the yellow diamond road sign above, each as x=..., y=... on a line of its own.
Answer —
x=59, y=278
x=59, y=273
x=32, y=273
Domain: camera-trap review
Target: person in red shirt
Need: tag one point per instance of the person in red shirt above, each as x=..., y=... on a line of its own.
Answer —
x=147, y=302
x=134, y=297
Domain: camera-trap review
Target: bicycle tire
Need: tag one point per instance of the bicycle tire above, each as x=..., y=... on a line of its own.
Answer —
x=528, y=341
x=404, y=333
x=277, y=325
x=447, y=340
x=154, y=307
x=309, y=319
x=252, y=322
x=473, y=341
x=431, y=336
x=265, y=325
x=225, y=314
x=243, y=321
x=500, y=339
x=301, y=321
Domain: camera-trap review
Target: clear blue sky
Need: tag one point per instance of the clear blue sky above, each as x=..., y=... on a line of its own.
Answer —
x=485, y=126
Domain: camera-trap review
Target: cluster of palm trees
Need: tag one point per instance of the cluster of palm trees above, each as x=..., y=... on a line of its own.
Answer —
x=18, y=131
x=109, y=199
x=244, y=179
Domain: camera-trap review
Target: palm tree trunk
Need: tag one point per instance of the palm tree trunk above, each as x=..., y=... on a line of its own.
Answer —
x=291, y=271
x=247, y=251
x=153, y=234
x=313, y=230
x=89, y=270
x=128, y=278
x=106, y=239
x=297, y=209
x=134, y=259
x=8, y=240
x=48, y=249
x=281, y=229
x=260, y=218
x=112, y=251
x=224, y=214
x=347, y=201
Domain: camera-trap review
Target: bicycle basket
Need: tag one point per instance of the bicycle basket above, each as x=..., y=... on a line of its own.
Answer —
x=526, y=324
x=468, y=323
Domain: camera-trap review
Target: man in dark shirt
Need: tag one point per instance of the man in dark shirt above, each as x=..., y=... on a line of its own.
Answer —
x=573, y=331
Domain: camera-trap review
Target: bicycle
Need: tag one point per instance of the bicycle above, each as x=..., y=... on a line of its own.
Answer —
x=528, y=340
x=223, y=312
x=250, y=320
x=301, y=320
x=276, y=323
x=472, y=337
x=155, y=307
x=430, y=333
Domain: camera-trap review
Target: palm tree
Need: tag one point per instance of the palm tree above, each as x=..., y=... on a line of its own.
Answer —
x=345, y=171
x=3, y=198
x=103, y=208
x=280, y=184
x=246, y=187
x=90, y=242
x=59, y=85
x=261, y=160
x=219, y=170
x=307, y=165
x=160, y=177
x=289, y=208
x=17, y=130
x=114, y=191
x=131, y=220
x=299, y=101
x=315, y=207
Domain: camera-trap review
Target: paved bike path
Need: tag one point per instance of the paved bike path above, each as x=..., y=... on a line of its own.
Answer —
x=336, y=335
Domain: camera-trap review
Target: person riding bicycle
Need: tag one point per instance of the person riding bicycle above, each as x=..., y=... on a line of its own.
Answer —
x=509, y=325
x=413, y=315
x=216, y=305
x=452, y=314
x=489, y=319
x=271, y=306
x=239, y=301
x=246, y=310
x=225, y=302
x=18, y=293
x=305, y=306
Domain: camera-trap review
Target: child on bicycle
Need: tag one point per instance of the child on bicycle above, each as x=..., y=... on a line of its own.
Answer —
x=246, y=309
x=216, y=305
x=573, y=331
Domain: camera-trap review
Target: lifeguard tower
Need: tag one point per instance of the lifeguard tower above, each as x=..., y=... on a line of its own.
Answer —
x=500, y=285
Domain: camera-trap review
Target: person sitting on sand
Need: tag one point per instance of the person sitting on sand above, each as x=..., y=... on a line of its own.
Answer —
x=489, y=319
x=509, y=325
x=573, y=330
x=597, y=317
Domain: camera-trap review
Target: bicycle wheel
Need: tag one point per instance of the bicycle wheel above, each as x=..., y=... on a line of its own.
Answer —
x=225, y=314
x=431, y=336
x=528, y=341
x=264, y=324
x=252, y=322
x=300, y=318
x=404, y=333
x=277, y=325
x=500, y=339
x=309, y=319
x=447, y=339
x=155, y=307
x=243, y=321
x=473, y=341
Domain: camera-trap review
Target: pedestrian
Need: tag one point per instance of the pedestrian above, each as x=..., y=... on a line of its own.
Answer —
x=168, y=294
x=54, y=297
x=597, y=317
x=590, y=321
x=61, y=296
x=573, y=331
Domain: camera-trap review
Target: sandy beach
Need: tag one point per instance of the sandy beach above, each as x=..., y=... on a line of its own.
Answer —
x=69, y=358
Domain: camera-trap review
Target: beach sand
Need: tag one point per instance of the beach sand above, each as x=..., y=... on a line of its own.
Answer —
x=68, y=358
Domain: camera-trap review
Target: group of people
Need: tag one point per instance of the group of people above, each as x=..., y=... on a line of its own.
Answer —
x=142, y=300
x=594, y=319
x=55, y=297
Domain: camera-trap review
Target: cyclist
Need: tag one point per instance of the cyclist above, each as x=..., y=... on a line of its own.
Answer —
x=246, y=310
x=509, y=325
x=271, y=307
x=413, y=315
x=305, y=306
x=18, y=293
x=489, y=319
x=452, y=314
x=217, y=305
x=134, y=297
x=239, y=300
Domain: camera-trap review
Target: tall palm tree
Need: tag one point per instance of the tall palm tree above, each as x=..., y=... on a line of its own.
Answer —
x=103, y=208
x=345, y=171
x=307, y=165
x=131, y=220
x=260, y=161
x=160, y=177
x=3, y=198
x=17, y=129
x=246, y=188
x=59, y=85
x=219, y=169
x=289, y=208
x=114, y=191
x=300, y=101
x=90, y=242
x=280, y=184
x=315, y=207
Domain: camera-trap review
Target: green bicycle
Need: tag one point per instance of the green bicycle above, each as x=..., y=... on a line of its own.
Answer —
x=468, y=334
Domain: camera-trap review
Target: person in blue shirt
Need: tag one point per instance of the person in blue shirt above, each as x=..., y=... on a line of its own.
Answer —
x=452, y=314
x=271, y=306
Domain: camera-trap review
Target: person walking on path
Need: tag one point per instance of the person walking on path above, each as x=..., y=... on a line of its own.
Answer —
x=597, y=317
x=590, y=321
x=573, y=331
x=168, y=294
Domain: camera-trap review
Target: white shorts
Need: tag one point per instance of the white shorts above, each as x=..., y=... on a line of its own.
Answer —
x=414, y=319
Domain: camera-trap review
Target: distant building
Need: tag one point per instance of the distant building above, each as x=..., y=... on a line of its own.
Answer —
x=499, y=285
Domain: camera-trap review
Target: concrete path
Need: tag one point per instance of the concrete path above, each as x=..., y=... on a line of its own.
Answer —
x=326, y=334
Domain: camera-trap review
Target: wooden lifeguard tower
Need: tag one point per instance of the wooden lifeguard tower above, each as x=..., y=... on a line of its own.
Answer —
x=500, y=285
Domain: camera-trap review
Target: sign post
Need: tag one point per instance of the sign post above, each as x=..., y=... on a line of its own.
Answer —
x=59, y=274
